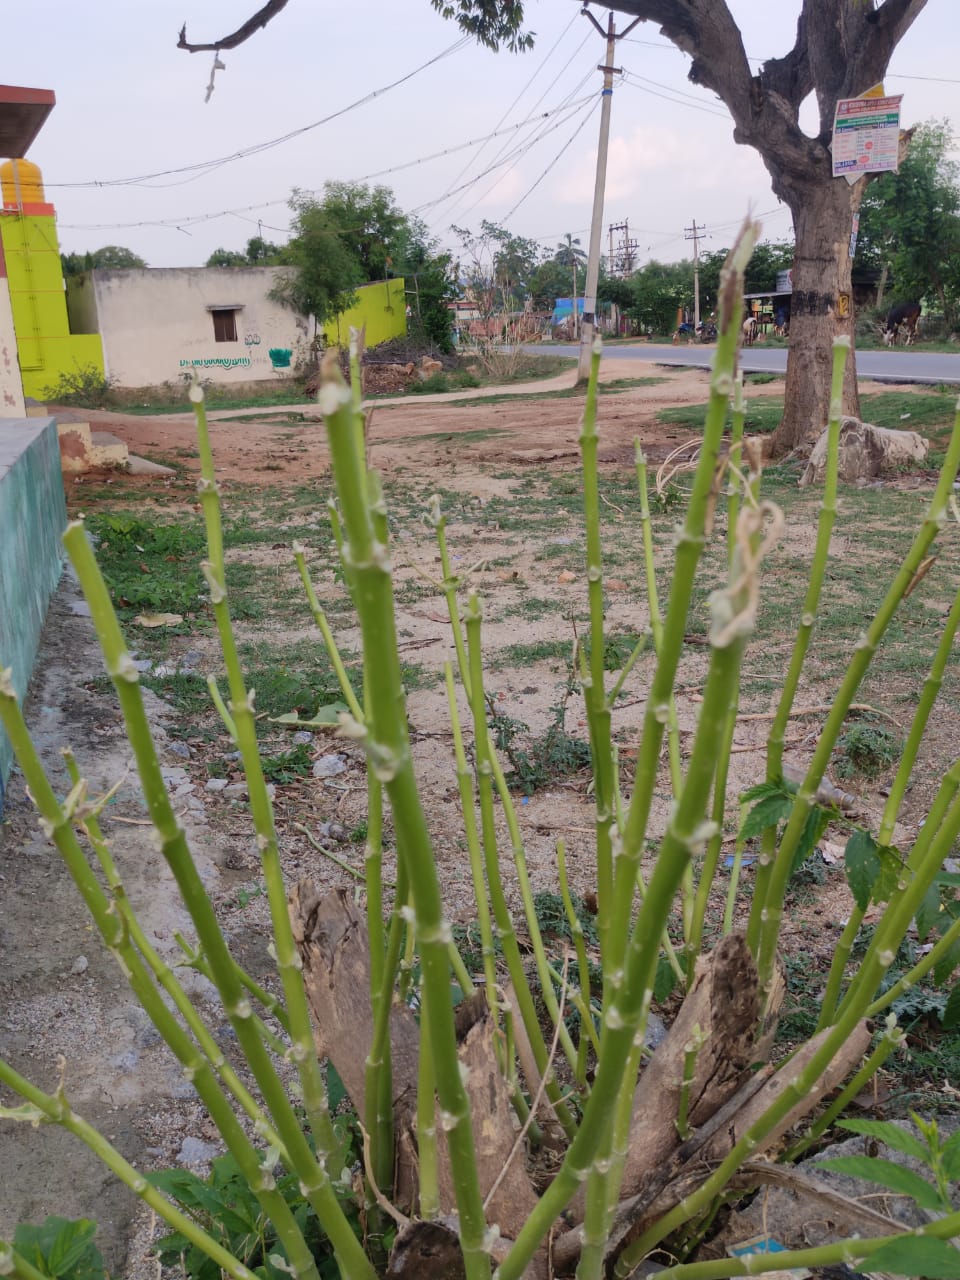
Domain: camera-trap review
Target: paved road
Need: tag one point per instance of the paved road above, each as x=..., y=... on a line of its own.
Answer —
x=884, y=366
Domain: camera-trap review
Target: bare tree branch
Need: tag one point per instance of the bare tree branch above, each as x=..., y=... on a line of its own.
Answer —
x=238, y=37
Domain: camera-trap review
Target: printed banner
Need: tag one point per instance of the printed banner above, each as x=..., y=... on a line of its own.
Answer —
x=866, y=136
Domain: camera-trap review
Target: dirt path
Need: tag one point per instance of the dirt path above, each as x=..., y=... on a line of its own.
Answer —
x=426, y=433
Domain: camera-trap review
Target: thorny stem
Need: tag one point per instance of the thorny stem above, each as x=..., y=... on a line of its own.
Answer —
x=690, y=541
x=891, y=809
x=303, y=1051
x=486, y=765
x=386, y=740
x=818, y=569
x=771, y=913
x=594, y=693
x=55, y=1109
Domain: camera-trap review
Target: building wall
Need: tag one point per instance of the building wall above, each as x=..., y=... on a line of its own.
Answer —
x=33, y=516
x=382, y=307
x=156, y=323
x=11, y=387
x=46, y=346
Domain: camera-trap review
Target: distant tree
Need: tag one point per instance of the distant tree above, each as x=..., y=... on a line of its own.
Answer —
x=910, y=222
x=370, y=224
x=227, y=258
x=769, y=258
x=258, y=253
x=112, y=257
x=658, y=289
x=323, y=273
x=550, y=280
x=431, y=284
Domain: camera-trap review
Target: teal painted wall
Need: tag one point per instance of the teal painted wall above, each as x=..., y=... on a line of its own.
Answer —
x=33, y=515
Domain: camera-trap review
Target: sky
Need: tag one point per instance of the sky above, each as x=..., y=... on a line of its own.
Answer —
x=130, y=107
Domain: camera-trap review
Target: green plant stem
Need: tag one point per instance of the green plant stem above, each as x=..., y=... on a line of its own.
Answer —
x=387, y=743
x=197, y=1068
x=734, y=874
x=656, y=619
x=770, y=915
x=891, y=1039
x=594, y=692
x=875, y=963
x=919, y=971
x=474, y=851
x=926, y=859
x=426, y=1120
x=14, y=1264
x=852, y=1252
x=714, y=847
x=690, y=544
x=164, y=974
x=195, y=959
x=303, y=1052
x=891, y=809
x=624, y=1015
x=485, y=770
x=529, y=908
x=576, y=930
x=818, y=569
x=55, y=1109
x=330, y=644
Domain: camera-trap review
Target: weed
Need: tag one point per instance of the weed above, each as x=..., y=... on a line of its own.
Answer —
x=288, y=766
x=62, y=1248
x=552, y=756
x=866, y=748
x=86, y=386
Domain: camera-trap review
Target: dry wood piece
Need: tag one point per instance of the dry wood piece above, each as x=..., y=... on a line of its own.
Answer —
x=332, y=940
x=720, y=1013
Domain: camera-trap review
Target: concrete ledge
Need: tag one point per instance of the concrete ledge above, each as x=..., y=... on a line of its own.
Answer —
x=33, y=515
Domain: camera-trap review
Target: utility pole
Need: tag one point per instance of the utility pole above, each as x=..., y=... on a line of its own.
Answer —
x=694, y=233
x=596, y=224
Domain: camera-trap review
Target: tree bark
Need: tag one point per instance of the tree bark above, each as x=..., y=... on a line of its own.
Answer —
x=823, y=223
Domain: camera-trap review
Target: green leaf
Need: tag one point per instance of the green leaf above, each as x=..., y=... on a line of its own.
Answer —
x=767, y=813
x=891, y=868
x=886, y=1174
x=761, y=791
x=947, y=963
x=665, y=979
x=951, y=1013
x=862, y=866
x=916, y=1256
x=950, y=1155
x=328, y=715
x=818, y=819
x=928, y=913
x=62, y=1248
x=336, y=1089
x=889, y=1134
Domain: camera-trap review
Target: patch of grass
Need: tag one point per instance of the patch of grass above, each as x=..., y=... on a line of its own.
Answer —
x=457, y=437
x=615, y=387
x=763, y=415
x=523, y=654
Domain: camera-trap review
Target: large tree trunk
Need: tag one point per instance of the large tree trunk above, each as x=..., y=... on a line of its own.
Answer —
x=821, y=309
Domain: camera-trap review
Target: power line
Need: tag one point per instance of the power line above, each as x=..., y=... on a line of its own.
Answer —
x=257, y=148
x=563, y=111
x=565, y=146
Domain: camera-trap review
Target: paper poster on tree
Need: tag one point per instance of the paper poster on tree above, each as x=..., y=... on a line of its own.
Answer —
x=866, y=136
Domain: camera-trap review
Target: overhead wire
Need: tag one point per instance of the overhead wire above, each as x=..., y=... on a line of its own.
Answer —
x=509, y=109
x=565, y=146
x=144, y=179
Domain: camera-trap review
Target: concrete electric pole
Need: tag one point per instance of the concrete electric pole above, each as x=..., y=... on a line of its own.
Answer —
x=596, y=224
x=694, y=233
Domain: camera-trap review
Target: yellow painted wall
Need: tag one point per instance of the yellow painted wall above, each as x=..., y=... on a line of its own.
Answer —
x=45, y=345
x=382, y=307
